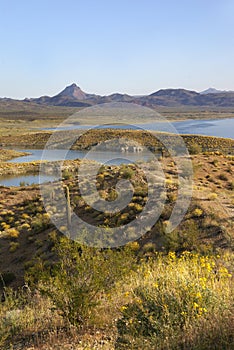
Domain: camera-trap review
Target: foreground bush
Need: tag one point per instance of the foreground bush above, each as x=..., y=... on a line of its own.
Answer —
x=74, y=284
x=181, y=302
x=165, y=302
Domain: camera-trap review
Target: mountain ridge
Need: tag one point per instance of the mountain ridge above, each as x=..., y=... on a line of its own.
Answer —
x=214, y=91
x=74, y=96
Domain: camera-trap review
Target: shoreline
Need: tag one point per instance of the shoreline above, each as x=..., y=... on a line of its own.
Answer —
x=165, y=120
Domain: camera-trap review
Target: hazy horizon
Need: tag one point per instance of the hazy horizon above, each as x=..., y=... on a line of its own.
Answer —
x=93, y=92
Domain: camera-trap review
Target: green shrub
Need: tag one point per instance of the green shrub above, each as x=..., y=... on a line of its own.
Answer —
x=74, y=283
x=184, y=238
x=127, y=172
x=13, y=247
x=67, y=174
x=40, y=222
x=195, y=148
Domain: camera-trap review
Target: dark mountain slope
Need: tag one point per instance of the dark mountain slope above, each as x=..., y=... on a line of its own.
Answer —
x=73, y=96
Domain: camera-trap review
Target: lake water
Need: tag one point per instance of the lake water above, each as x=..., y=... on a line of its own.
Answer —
x=217, y=127
x=220, y=127
x=112, y=158
x=21, y=180
x=211, y=127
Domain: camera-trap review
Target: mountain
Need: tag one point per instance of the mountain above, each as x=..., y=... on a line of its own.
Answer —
x=173, y=97
x=117, y=98
x=178, y=98
x=213, y=91
x=74, y=91
x=71, y=96
x=74, y=96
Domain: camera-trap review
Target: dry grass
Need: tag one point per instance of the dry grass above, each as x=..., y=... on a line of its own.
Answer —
x=169, y=302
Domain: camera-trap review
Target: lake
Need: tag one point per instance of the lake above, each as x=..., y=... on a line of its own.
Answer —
x=112, y=158
x=210, y=127
x=217, y=127
x=21, y=180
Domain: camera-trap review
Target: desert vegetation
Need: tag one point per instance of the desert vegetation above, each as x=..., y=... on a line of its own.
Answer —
x=163, y=291
x=98, y=137
x=7, y=154
x=121, y=299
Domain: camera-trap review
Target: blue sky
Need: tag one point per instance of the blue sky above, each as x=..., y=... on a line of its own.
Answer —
x=130, y=46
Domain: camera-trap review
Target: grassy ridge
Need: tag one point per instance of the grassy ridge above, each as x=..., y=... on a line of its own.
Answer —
x=6, y=154
x=150, y=139
x=94, y=137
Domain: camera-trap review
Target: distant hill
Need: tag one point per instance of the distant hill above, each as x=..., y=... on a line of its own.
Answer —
x=181, y=97
x=213, y=91
x=74, y=96
x=71, y=96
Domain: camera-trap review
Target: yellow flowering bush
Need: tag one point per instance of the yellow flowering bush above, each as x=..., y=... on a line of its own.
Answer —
x=197, y=212
x=171, y=292
x=213, y=196
x=25, y=226
x=12, y=232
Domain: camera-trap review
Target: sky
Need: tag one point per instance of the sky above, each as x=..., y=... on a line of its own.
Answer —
x=127, y=46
